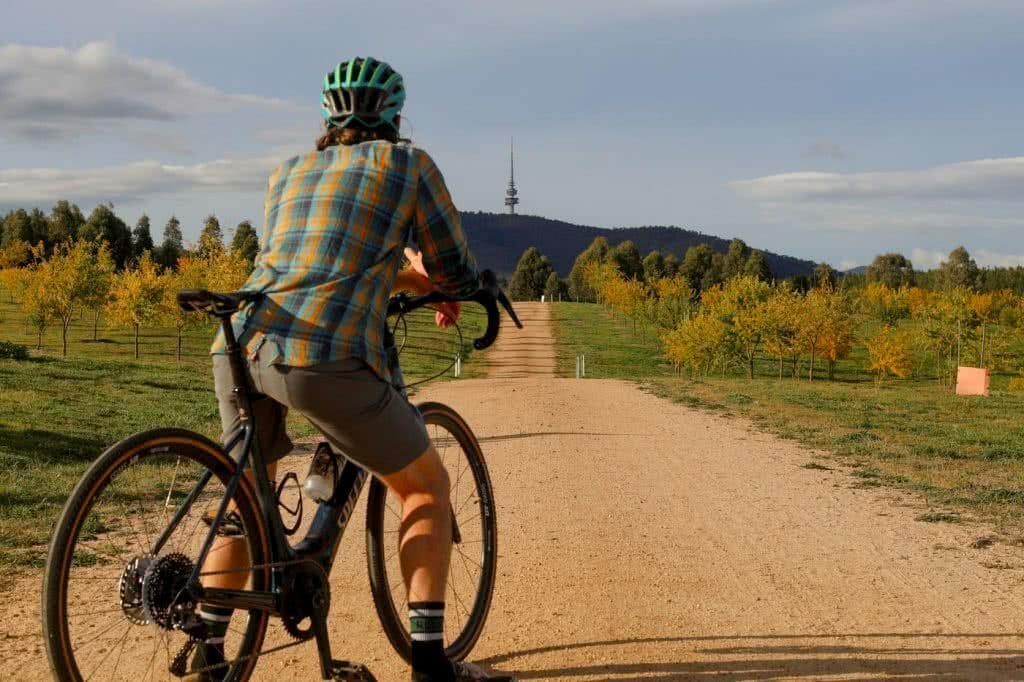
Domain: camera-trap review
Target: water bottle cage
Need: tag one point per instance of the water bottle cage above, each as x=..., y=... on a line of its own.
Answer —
x=290, y=530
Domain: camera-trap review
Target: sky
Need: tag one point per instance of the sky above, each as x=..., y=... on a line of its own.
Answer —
x=831, y=130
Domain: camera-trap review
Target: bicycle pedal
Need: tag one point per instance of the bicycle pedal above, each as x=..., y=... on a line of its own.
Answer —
x=346, y=671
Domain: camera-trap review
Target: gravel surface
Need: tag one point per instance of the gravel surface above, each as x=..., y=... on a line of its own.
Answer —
x=640, y=539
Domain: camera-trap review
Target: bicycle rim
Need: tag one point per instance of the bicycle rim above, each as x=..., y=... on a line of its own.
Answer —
x=472, y=568
x=109, y=601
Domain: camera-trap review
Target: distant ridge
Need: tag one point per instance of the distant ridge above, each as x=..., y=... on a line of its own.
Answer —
x=499, y=239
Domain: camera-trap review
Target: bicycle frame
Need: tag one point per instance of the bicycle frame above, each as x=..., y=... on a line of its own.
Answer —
x=320, y=545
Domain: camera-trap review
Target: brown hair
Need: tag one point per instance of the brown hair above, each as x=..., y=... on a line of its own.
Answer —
x=354, y=134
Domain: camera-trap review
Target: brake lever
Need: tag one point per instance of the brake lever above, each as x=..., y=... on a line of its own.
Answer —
x=507, y=305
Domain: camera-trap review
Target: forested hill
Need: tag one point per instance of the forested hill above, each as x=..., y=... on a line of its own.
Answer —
x=499, y=239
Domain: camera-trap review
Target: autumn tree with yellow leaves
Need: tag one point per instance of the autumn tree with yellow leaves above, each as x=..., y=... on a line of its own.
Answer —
x=136, y=297
x=889, y=351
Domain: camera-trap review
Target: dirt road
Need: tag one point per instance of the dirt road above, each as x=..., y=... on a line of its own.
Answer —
x=640, y=539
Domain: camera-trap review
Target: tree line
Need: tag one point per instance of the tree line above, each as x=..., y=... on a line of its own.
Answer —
x=723, y=314
x=702, y=267
x=22, y=230
x=63, y=266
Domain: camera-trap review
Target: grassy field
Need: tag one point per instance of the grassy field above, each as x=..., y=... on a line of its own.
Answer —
x=964, y=455
x=57, y=414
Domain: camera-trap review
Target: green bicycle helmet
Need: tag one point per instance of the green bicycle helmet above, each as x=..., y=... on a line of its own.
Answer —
x=362, y=90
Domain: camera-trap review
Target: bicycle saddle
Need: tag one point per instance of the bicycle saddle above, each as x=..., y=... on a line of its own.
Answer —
x=217, y=304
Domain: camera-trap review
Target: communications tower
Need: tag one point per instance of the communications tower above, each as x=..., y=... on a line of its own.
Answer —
x=511, y=194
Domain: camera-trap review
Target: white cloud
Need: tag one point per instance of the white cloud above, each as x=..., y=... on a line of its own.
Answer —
x=988, y=258
x=43, y=186
x=984, y=179
x=50, y=92
x=925, y=259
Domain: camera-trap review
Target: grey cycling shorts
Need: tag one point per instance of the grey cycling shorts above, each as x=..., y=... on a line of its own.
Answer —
x=359, y=413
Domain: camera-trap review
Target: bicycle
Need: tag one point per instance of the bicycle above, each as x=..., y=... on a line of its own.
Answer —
x=119, y=577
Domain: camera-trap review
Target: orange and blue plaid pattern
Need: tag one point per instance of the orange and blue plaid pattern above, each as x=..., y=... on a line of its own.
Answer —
x=337, y=223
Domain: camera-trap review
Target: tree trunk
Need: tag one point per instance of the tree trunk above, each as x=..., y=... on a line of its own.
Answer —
x=810, y=371
x=831, y=369
x=64, y=337
x=39, y=343
x=780, y=365
x=178, y=355
x=136, y=342
x=750, y=366
x=95, y=324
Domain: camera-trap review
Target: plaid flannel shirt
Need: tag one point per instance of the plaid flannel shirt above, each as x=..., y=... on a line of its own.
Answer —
x=337, y=223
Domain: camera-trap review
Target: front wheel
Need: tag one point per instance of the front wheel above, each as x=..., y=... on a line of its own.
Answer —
x=115, y=601
x=474, y=549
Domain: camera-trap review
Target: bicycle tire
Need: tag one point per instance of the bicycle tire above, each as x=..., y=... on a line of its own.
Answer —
x=457, y=647
x=199, y=454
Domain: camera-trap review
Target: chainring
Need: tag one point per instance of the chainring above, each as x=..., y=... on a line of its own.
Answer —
x=308, y=592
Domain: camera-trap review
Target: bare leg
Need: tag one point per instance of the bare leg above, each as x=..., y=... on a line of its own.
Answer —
x=425, y=535
x=228, y=553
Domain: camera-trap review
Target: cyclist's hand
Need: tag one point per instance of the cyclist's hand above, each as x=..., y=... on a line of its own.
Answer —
x=415, y=259
x=447, y=314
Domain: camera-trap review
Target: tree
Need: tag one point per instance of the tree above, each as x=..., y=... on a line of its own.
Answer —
x=226, y=270
x=246, y=242
x=578, y=288
x=192, y=273
x=959, y=270
x=17, y=228
x=36, y=303
x=757, y=266
x=735, y=259
x=530, y=276
x=142, y=240
x=674, y=302
x=66, y=220
x=98, y=292
x=891, y=269
x=39, y=228
x=626, y=257
x=15, y=254
x=825, y=276
x=699, y=267
x=173, y=246
x=889, y=352
x=104, y=225
x=211, y=238
x=777, y=319
x=136, y=297
x=69, y=275
x=654, y=267
x=738, y=307
x=672, y=265
x=825, y=327
x=554, y=287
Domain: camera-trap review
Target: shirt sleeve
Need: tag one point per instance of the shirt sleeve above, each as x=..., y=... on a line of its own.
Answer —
x=438, y=233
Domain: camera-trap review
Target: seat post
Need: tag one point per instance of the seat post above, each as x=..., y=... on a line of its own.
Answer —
x=239, y=376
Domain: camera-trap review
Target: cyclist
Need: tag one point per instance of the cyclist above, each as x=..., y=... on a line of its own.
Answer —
x=338, y=220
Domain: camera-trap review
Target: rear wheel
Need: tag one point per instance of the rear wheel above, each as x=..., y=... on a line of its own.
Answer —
x=474, y=550
x=114, y=598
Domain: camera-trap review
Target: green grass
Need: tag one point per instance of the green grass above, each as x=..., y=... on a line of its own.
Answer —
x=611, y=351
x=957, y=452
x=58, y=414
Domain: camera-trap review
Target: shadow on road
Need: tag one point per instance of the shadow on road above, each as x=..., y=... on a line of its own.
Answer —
x=777, y=660
x=541, y=434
